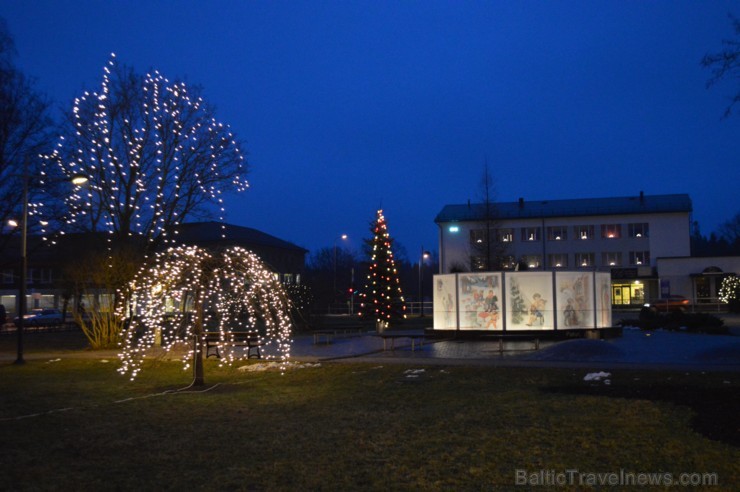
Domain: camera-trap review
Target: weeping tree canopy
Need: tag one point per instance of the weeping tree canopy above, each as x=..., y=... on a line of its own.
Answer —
x=185, y=291
x=153, y=152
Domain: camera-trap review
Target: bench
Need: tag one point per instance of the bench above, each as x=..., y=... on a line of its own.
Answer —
x=501, y=340
x=251, y=340
x=511, y=337
x=392, y=336
x=328, y=334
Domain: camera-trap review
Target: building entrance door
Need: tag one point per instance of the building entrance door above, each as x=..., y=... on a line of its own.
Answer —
x=628, y=293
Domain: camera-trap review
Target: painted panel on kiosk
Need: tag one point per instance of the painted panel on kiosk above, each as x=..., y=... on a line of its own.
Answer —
x=479, y=298
x=445, y=302
x=529, y=301
x=575, y=299
x=603, y=300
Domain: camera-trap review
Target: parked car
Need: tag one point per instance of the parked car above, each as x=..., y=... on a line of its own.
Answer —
x=670, y=303
x=41, y=317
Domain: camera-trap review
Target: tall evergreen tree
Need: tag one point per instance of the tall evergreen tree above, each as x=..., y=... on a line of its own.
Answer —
x=382, y=298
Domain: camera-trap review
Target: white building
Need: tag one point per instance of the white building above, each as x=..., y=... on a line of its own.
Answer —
x=624, y=236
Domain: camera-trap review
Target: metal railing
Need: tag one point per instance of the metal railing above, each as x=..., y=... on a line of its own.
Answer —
x=414, y=308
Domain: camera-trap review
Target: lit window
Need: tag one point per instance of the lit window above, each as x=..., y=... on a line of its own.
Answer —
x=532, y=261
x=505, y=235
x=478, y=263
x=530, y=234
x=611, y=259
x=477, y=236
x=638, y=230
x=584, y=259
x=508, y=262
x=611, y=231
x=584, y=232
x=557, y=260
x=557, y=233
x=639, y=258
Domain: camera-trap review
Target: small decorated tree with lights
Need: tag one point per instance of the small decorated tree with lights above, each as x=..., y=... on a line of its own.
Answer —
x=188, y=290
x=382, y=299
x=729, y=293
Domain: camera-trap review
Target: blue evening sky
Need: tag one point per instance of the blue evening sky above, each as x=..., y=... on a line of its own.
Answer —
x=349, y=106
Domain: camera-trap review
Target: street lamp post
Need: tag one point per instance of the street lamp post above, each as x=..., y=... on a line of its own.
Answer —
x=24, y=266
x=424, y=255
x=334, y=292
x=77, y=180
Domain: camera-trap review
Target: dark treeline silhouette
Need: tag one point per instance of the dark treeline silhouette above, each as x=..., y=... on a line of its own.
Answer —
x=350, y=272
x=724, y=242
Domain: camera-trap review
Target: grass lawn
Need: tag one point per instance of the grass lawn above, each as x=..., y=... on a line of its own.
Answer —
x=76, y=424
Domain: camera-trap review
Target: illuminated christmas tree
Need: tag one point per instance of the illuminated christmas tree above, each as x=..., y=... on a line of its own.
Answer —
x=382, y=298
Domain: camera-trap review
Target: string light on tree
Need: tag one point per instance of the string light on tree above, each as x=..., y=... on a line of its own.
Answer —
x=729, y=292
x=382, y=298
x=154, y=154
x=189, y=290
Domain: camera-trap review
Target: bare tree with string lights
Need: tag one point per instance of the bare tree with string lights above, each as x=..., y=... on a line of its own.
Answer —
x=153, y=151
x=155, y=156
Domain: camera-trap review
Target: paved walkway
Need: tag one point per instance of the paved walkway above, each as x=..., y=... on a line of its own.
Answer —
x=635, y=349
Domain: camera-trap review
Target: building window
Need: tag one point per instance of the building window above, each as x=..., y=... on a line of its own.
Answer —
x=532, y=261
x=611, y=259
x=287, y=278
x=530, y=234
x=628, y=293
x=611, y=231
x=638, y=230
x=557, y=233
x=478, y=236
x=39, y=276
x=639, y=258
x=478, y=263
x=584, y=259
x=508, y=262
x=505, y=235
x=584, y=231
x=557, y=260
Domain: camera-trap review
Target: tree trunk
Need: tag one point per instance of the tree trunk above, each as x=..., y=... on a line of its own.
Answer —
x=198, y=379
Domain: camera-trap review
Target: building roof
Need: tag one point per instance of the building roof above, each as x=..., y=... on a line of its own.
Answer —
x=211, y=231
x=523, y=209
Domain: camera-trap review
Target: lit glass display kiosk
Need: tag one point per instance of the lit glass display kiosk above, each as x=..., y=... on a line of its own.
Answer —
x=520, y=302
